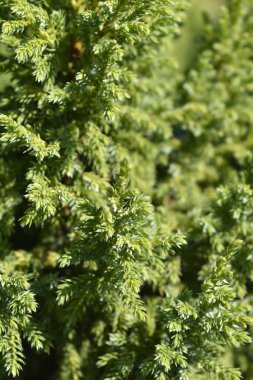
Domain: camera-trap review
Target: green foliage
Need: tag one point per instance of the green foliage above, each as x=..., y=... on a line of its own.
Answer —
x=126, y=192
x=17, y=306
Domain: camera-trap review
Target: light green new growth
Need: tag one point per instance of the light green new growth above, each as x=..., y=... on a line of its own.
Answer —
x=126, y=192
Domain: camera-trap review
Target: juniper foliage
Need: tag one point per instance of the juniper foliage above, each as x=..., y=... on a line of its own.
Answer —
x=126, y=192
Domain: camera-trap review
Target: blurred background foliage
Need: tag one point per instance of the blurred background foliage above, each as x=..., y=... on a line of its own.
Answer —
x=188, y=44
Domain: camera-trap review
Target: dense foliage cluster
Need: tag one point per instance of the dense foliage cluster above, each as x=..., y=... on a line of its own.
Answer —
x=126, y=191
